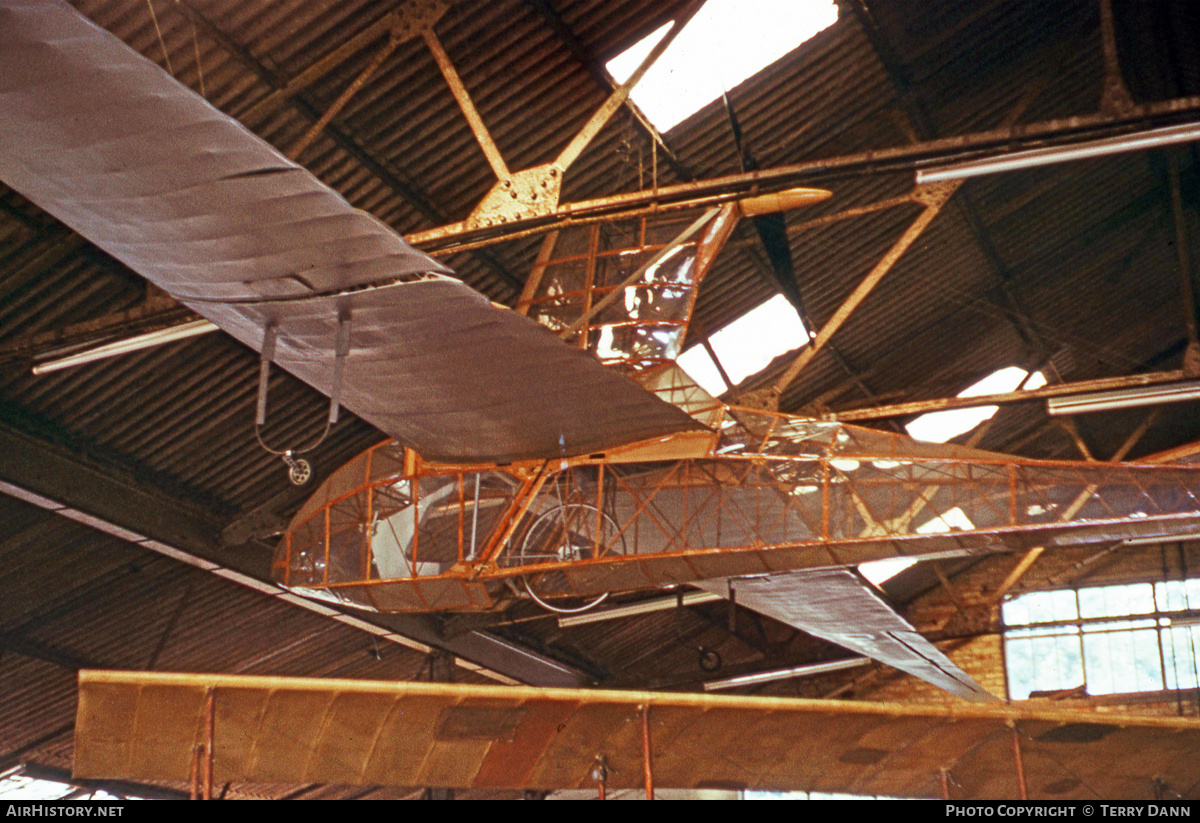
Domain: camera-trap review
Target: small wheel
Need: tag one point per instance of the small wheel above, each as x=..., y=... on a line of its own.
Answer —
x=299, y=472
x=563, y=534
x=710, y=661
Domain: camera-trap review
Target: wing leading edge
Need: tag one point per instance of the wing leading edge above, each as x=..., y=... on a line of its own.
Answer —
x=838, y=606
x=187, y=197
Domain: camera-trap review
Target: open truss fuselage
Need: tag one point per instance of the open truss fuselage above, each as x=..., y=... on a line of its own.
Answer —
x=765, y=493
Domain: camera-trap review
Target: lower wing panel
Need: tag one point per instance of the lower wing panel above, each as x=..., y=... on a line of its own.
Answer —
x=839, y=606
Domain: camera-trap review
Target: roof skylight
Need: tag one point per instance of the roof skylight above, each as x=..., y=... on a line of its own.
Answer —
x=746, y=345
x=938, y=427
x=701, y=368
x=881, y=571
x=724, y=44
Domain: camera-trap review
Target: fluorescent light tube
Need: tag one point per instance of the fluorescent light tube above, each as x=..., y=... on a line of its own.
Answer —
x=784, y=674
x=141, y=341
x=658, y=604
x=1137, y=141
x=1123, y=398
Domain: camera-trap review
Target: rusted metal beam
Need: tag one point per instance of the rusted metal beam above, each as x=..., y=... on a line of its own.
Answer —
x=463, y=98
x=605, y=81
x=1068, y=425
x=933, y=199
x=857, y=211
x=707, y=192
x=1136, y=435
x=898, y=73
x=620, y=94
x=344, y=98
x=1018, y=571
x=1115, y=99
x=539, y=269
x=1174, y=454
x=392, y=23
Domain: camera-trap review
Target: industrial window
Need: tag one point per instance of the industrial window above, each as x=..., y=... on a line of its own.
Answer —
x=1136, y=637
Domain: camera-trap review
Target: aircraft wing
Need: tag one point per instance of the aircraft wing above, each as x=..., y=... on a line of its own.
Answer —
x=145, y=725
x=839, y=606
x=184, y=195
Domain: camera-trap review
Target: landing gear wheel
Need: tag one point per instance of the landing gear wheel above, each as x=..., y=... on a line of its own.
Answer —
x=710, y=661
x=560, y=535
x=299, y=470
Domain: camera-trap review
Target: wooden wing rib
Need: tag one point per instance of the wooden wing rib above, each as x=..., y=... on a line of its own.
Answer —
x=839, y=606
x=184, y=195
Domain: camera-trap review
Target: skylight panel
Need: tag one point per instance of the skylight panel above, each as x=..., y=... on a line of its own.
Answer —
x=939, y=427
x=954, y=520
x=881, y=571
x=701, y=368
x=17, y=786
x=726, y=42
x=749, y=343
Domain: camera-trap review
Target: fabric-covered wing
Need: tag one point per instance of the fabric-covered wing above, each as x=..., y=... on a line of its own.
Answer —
x=184, y=195
x=145, y=725
x=839, y=606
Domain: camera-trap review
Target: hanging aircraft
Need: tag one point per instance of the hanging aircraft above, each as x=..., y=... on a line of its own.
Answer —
x=555, y=452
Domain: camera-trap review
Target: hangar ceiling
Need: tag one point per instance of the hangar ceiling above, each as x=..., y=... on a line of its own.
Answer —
x=1079, y=270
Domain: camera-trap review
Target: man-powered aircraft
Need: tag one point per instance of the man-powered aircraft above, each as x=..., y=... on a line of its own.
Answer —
x=557, y=451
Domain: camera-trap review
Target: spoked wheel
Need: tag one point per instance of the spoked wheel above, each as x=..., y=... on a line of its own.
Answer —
x=566, y=533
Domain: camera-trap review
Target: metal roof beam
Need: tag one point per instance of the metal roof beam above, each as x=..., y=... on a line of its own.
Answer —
x=605, y=81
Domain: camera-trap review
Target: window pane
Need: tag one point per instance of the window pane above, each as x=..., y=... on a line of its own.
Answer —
x=1112, y=601
x=1177, y=595
x=1179, y=655
x=1122, y=661
x=1043, y=663
x=1040, y=607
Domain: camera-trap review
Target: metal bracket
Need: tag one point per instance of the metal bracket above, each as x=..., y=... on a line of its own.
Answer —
x=765, y=399
x=529, y=193
x=935, y=195
x=414, y=16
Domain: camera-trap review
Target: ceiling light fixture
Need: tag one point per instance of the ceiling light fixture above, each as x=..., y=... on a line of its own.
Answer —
x=131, y=344
x=784, y=674
x=1123, y=399
x=1136, y=141
x=657, y=604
